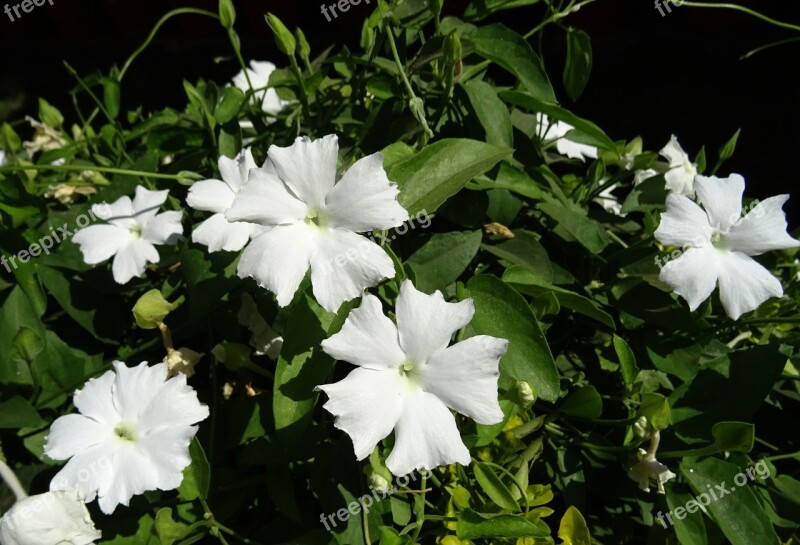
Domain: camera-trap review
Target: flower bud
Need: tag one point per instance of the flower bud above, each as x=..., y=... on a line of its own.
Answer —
x=227, y=13
x=283, y=37
x=525, y=394
x=378, y=482
x=641, y=428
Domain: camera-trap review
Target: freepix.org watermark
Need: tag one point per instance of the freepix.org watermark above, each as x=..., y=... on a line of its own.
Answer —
x=366, y=501
x=26, y=6
x=661, y=4
x=715, y=493
x=57, y=235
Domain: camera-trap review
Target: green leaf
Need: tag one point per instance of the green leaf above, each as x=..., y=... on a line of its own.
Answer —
x=230, y=104
x=585, y=402
x=491, y=112
x=196, y=477
x=494, y=487
x=480, y=9
x=472, y=525
x=17, y=413
x=593, y=134
x=440, y=170
x=508, y=49
x=737, y=513
x=152, y=308
x=586, y=231
x=15, y=313
x=627, y=360
x=735, y=436
x=167, y=529
x=651, y=194
x=525, y=251
x=655, y=408
x=301, y=367
x=441, y=260
x=26, y=345
x=50, y=115
x=579, y=62
x=573, y=529
x=726, y=152
x=502, y=312
x=691, y=530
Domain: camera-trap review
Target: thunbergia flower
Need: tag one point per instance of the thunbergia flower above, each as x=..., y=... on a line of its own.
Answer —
x=133, y=230
x=217, y=196
x=52, y=518
x=681, y=174
x=717, y=243
x=259, y=73
x=648, y=469
x=550, y=132
x=313, y=221
x=132, y=434
x=408, y=376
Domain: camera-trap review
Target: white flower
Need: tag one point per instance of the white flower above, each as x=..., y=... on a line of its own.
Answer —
x=649, y=469
x=53, y=518
x=681, y=173
x=265, y=340
x=132, y=434
x=217, y=196
x=259, y=73
x=557, y=132
x=608, y=200
x=132, y=231
x=641, y=175
x=718, y=243
x=313, y=220
x=408, y=377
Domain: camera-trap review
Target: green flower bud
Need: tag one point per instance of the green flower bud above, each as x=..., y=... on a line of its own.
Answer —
x=283, y=37
x=379, y=483
x=452, y=48
x=227, y=13
x=302, y=44
x=641, y=428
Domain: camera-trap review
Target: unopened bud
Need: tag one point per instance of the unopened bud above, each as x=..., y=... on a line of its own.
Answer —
x=379, y=483
x=525, y=394
x=641, y=428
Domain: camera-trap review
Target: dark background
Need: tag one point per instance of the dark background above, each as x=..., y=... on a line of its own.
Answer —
x=653, y=75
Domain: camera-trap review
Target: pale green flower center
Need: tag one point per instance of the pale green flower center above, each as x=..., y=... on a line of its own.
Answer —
x=410, y=374
x=136, y=231
x=126, y=432
x=316, y=219
x=719, y=242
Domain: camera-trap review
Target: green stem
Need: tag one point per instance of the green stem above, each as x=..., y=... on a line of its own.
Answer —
x=159, y=24
x=421, y=510
x=92, y=168
x=736, y=7
x=298, y=75
x=794, y=456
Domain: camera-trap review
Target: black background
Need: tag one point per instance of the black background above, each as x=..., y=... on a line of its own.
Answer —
x=653, y=75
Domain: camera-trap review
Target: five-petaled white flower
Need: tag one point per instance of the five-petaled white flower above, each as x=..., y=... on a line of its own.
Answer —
x=313, y=221
x=132, y=434
x=681, y=173
x=647, y=469
x=408, y=377
x=259, y=73
x=217, y=196
x=133, y=230
x=718, y=243
x=52, y=518
x=550, y=132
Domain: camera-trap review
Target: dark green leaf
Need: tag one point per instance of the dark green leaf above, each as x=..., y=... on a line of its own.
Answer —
x=579, y=62
x=441, y=260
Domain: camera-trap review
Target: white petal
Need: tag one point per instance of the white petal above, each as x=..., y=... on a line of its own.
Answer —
x=168, y=452
x=364, y=199
x=134, y=473
x=88, y=471
x=722, y=199
x=119, y=212
x=744, y=284
x=99, y=242
x=210, y=195
x=426, y=322
x=53, y=518
x=219, y=234
x=308, y=168
x=367, y=404
x=235, y=171
x=136, y=387
x=174, y=403
x=165, y=228
x=763, y=229
x=673, y=152
x=146, y=203
x=74, y=433
x=278, y=259
x=426, y=436
x=96, y=401
x=368, y=338
x=132, y=260
x=464, y=376
x=344, y=264
x=266, y=200
x=683, y=224
x=693, y=275
x=680, y=180
x=575, y=150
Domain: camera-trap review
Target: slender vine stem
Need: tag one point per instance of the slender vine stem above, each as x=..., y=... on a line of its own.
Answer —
x=91, y=168
x=743, y=9
x=12, y=481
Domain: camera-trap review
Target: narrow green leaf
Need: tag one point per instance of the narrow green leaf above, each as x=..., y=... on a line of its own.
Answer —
x=579, y=62
x=472, y=525
x=492, y=113
x=494, y=487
